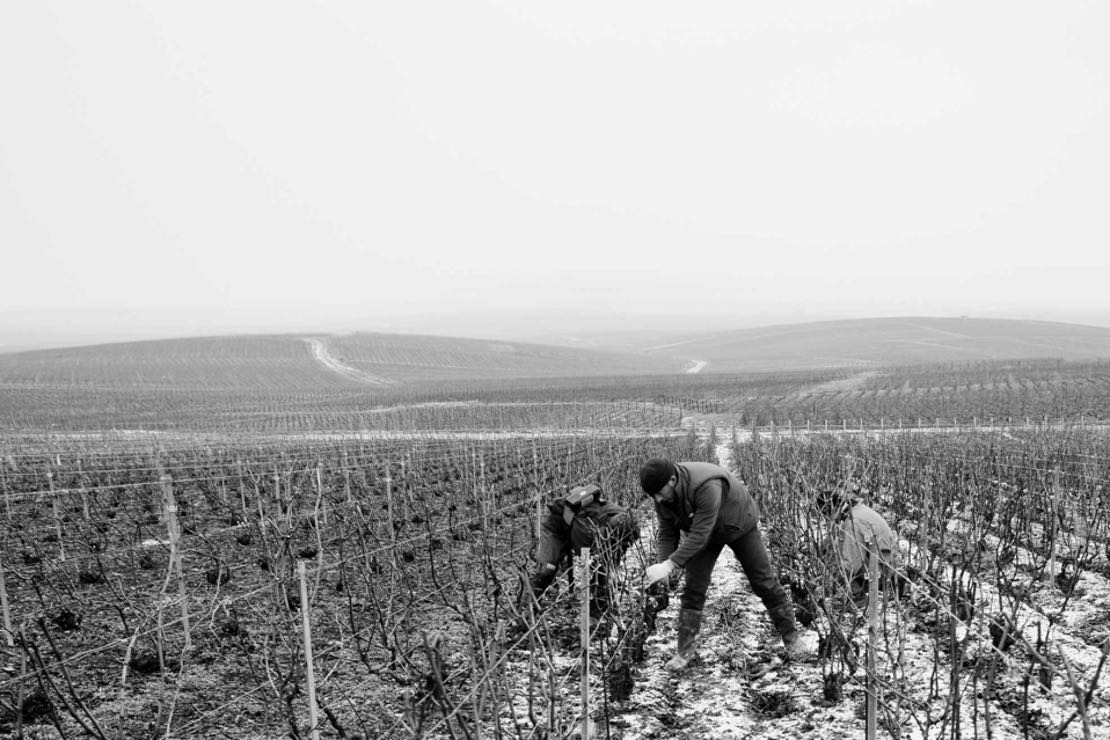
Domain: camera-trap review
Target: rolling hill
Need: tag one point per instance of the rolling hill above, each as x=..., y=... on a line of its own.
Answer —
x=875, y=369
x=310, y=362
x=368, y=361
x=866, y=343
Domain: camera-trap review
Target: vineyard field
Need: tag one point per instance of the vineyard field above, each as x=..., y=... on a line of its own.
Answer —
x=961, y=394
x=415, y=550
x=402, y=540
x=861, y=344
x=157, y=512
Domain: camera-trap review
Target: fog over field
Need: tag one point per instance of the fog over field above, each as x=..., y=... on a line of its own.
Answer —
x=540, y=172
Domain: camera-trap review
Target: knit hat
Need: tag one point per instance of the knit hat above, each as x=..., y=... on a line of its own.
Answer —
x=654, y=475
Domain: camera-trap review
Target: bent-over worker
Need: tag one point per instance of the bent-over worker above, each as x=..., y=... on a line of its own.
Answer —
x=713, y=510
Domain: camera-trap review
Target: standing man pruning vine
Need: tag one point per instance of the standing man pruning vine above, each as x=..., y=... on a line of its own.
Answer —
x=712, y=509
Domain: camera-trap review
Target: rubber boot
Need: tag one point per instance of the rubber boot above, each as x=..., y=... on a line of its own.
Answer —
x=689, y=625
x=782, y=617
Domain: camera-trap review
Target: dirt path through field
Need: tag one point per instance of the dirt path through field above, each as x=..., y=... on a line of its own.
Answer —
x=320, y=354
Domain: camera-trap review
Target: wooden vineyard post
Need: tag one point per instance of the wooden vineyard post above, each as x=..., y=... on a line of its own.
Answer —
x=585, y=730
x=872, y=643
x=242, y=490
x=261, y=511
x=5, y=492
x=9, y=638
x=389, y=510
x=536, y=490
x=84, y=493
x=310, y=672
x=482, y=492
x=54, y=506
x=403, y=489
x=539, y=516
x=170, y=505
x=321, y=512
x=347, y=475
x=275, y=502
x=1054, y=525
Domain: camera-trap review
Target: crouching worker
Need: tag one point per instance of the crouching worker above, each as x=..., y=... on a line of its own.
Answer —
x=712, y=509
x=859, y=533
x=584, y=518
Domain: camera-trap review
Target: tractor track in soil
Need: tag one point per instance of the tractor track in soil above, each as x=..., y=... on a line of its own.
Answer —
x=330, y=362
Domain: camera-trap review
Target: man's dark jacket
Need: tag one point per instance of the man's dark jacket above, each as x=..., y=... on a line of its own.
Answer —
x=710, y=505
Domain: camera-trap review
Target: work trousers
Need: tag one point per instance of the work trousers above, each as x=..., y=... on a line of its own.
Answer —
x=858, y=583
x=756, y=563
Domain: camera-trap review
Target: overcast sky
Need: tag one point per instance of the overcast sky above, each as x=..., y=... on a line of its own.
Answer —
x=238, y=165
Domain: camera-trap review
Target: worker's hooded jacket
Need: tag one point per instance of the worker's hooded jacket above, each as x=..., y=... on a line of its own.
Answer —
x=859, y=532
x=710, y=505
x=599, y=524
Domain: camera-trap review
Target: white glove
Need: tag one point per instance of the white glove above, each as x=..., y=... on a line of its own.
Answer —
x=659, y=571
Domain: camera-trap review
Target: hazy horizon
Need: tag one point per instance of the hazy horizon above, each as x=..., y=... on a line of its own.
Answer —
x=526, y=327
x=508, y=170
